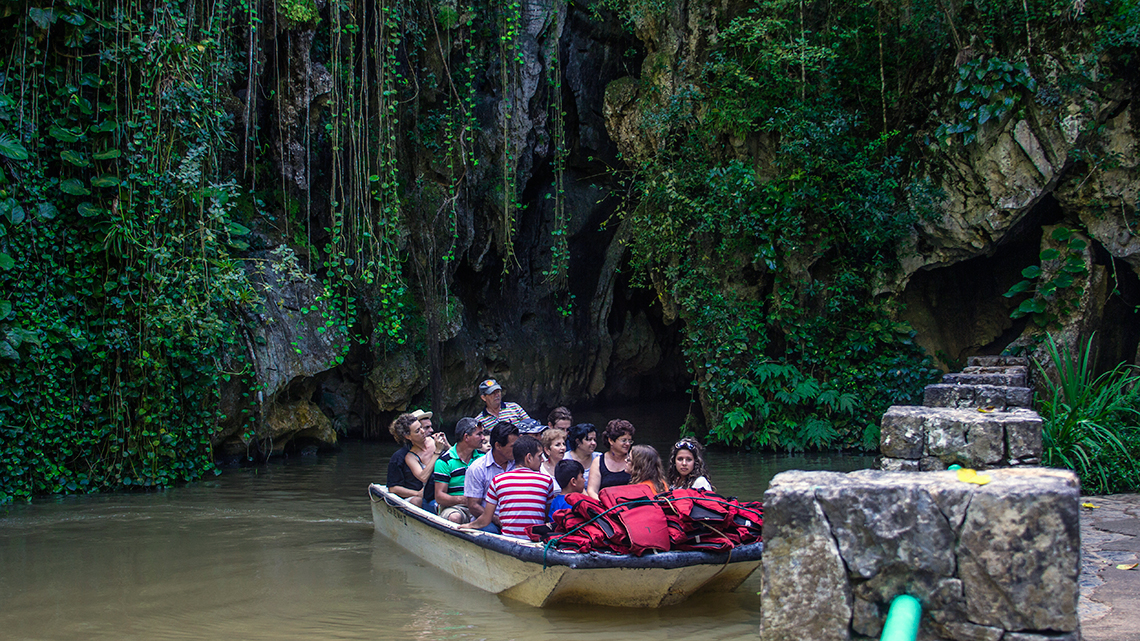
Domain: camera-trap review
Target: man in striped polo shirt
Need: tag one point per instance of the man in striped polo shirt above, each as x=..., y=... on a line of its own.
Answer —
x=521, y=495
x=496, y=410
x=451, y=471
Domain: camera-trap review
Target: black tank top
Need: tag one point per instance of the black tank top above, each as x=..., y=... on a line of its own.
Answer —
x=610, y=479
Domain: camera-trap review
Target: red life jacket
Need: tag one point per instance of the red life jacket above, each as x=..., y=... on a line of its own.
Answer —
x=645, y=524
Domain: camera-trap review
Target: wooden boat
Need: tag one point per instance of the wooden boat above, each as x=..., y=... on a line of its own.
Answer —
x=526, y=571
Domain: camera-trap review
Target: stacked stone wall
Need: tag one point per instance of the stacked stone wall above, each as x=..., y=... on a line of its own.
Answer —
x=993, y=562
x=980, y=417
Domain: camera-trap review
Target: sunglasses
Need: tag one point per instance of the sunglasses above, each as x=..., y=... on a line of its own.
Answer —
x=686, y=444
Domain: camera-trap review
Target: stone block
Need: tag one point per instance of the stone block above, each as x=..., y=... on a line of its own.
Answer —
x=899, y=465
x=997, y=361
x=930, y=464
x=985, y=443
x=1023, y=436
x=987, y=562
x=1004, y=379
x=1019, y=397
x=797, y=545
x=901, y=432
x=943, y=395
x=1018, y=551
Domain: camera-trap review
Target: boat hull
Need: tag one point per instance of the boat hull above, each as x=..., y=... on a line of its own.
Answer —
x=524, y=571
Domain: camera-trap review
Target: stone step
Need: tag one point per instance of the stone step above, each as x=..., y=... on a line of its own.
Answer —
x=969, y=437
x=997, y=361
x=1002, y=369
x=977, y=396
x=1003, y=379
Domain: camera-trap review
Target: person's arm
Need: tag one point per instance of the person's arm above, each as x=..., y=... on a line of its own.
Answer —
x=443, y=498
x=595, y=484
x=403, y=492
x=473, y=489
x=422, y=469
x=484, y=519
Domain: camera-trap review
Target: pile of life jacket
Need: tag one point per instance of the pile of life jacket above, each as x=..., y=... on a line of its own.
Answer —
x=630, y=519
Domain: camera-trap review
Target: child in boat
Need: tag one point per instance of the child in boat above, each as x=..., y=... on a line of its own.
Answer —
x=521, y=495
x=645, y=468
x=687, y=468
x=570, y=476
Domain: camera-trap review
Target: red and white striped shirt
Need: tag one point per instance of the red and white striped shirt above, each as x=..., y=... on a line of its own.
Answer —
x=522, y=496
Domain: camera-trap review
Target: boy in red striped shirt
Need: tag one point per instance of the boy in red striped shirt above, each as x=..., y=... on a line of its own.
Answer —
x=521, y=495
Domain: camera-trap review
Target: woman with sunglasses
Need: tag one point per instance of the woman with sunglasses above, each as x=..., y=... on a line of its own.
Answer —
x=687, y=468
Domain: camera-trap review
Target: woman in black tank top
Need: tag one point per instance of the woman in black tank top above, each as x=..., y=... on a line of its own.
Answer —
x=612, y=468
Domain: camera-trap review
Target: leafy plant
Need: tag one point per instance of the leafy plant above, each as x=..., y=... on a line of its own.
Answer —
x=1090, y=421
x=987, y=89
x=1053, y=283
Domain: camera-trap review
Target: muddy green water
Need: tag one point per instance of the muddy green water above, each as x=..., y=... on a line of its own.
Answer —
x=287, y=551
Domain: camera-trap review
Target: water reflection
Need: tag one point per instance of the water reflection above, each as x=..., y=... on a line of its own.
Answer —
x=287, y=551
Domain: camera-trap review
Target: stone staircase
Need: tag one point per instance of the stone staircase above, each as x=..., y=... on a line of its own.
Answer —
x=981, y=417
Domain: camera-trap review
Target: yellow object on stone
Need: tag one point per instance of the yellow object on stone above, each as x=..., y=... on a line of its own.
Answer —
x=1089, y=506
x=1127, y=566
x=966, y=475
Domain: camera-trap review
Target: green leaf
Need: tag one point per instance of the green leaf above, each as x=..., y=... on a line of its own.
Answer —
x=74, y=158
x=46, y=211
x=43, y=18
x=87, y=210
x=1049, y=254
x=237, y=229
x=105, y=126
x=63, y=135
x=108, y=154
x=1077, y=245
x=12, y=211
x=106, y=180
x=11, y=148
x=1033, y=271
x=6, y=262
x=1063, y=280
x=1017, y=289
x=5, y=309
x=1031, y=306
x=1061, y=234
x=74, y=186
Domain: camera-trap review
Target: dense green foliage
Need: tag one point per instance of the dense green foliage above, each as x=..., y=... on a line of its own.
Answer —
x=1091, y=423
x=117, y=238
x=780, y=176
x=127, y=198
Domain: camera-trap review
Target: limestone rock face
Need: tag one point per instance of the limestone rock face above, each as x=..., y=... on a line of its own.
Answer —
x=286, y=340
x=988, y=562
x=300, y=419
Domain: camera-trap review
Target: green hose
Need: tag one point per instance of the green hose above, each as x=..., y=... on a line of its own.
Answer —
x=902, y=619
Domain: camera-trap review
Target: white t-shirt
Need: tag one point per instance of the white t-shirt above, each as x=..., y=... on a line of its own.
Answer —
x=702, y=484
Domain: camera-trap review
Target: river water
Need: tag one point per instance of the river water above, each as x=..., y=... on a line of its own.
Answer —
x=287, y=551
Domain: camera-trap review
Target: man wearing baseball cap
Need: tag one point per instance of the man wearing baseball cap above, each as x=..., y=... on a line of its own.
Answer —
x=496, y=410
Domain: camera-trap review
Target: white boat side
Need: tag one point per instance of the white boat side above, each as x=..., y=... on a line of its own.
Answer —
x=526, y=571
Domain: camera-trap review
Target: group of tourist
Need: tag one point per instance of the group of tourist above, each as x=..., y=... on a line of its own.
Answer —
x=507, y=471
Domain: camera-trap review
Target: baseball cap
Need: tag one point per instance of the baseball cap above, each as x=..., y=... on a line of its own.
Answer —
x=488, y=386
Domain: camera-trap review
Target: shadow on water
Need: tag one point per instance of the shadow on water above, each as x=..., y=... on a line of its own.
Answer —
x=287, y=551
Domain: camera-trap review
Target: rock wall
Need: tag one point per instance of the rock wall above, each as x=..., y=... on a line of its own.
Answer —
x=1063, y=158
x=998, y=561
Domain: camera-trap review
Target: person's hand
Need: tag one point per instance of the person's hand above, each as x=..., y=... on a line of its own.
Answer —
x=441, y=443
